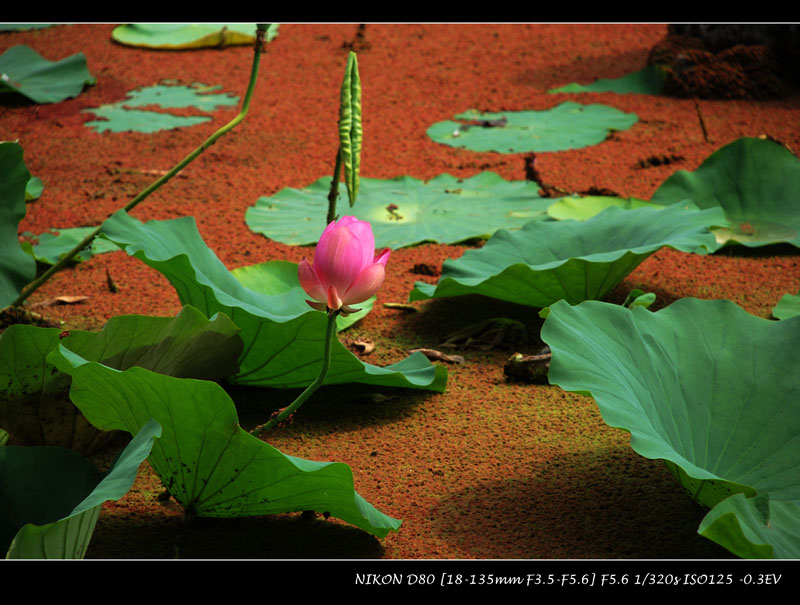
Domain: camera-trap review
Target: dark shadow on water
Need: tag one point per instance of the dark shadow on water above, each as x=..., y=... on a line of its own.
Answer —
x=442, y=317
x=269, y=537
x=760, y=252
x=606, y=504
x=337, y=407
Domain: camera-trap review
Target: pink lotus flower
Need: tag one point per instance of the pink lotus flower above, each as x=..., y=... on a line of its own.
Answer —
x=346, y=270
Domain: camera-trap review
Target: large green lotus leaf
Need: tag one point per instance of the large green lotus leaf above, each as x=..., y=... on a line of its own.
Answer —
x=566, y=126
x=703, y=385
x=34, y=404
x=179, y=36
x=755, y=181
x=16, y=268
x=755, y=528
x=648, y=81
x=404, y=211
x=283, y=337
x=547, y=261
x=205, y=459
x=50, y=497
x=53, y=246
x=24, y=71
x=583, y=208
x=788, y=306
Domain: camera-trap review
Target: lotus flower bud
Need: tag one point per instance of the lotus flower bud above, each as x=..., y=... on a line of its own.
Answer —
x=346, y=269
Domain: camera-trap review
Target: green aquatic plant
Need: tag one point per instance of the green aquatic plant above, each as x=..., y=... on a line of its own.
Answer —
x=566, y=126
x=709, y=389
x=51, y=496
x=261, y=30
x=755, y=181
x=182, y=36
x=25, y=72
x=283, y=337
x=647, y=81
x=572, y=260
x=405, y=211
x=207, y=462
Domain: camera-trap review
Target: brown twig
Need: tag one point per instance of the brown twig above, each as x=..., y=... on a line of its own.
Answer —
x=702, y=122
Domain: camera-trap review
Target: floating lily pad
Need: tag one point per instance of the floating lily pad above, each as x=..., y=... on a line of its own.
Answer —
x=171, y=96
x=209, y=464
x=117, y=117
x=22, y=27
x=702, y=384
x=51, y=247
x=788, y=306
x=16, y=268
x=179, y=36
x=583, y=208
x=34, y=404
x=51, y=497
x=755, y=181
x=283, y=337
x=566, y=126
x=405, y=211
x=547, y=261
x=648, y=81
x=24, y=71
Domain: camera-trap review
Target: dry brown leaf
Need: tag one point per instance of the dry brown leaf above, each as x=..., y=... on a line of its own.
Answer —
x=61, y=300
x=365, y=347
x=400, y=307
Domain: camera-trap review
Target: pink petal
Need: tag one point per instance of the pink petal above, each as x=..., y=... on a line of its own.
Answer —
x=338, y=259
x=310, y=282
x=347, y=220
x=382, y=257
x=369, y=281
x=334, y=302
x=362, y=231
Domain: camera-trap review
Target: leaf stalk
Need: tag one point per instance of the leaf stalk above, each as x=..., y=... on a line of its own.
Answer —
x=286, y=412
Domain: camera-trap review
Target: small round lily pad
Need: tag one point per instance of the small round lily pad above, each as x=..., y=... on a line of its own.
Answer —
x=566, y=126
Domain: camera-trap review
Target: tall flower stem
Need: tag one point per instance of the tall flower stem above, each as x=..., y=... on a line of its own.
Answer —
x=334, y=187
x=330, y=334
x=258, y=49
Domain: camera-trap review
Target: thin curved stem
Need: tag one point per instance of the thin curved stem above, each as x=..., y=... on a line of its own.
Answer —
x=330, y=333
x=334, y=193
x=258, y=49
